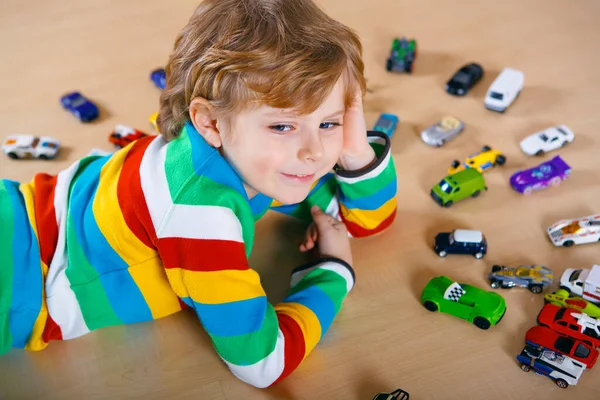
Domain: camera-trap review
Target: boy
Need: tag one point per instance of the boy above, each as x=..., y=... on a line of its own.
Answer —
x=263, y=101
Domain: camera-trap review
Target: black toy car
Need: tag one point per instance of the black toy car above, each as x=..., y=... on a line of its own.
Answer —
x=460, y=241
x=397, y=394
x=464, y=79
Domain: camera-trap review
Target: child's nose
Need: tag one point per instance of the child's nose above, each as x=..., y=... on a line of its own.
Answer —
x=311, y=148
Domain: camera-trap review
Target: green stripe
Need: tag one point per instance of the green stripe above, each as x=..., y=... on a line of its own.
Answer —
x=321, y=197
x=85, y=283
x=369, y=187
x=6, y=267
x=203, y=191
x=178, y=162
x=250, y=348
x=378, y=148
x=329, y=282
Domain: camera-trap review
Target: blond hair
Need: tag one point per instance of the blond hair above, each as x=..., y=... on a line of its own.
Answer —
x=281, y=53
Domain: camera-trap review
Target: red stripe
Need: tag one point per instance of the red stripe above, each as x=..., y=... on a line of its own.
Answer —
x=182, y=304
x=592, y=295
x=45, y=215
x=131, y=196
x=294, y=346
x=202, y=254
x=51, y=331
x=358, y=231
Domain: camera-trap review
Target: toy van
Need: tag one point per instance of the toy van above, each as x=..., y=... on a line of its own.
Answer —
x=455, y=187
x=582, y=282
x=504, y=90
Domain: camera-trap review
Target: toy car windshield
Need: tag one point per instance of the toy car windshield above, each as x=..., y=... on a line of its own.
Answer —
x=496, y=95
x=445, y=186
x=79, y=101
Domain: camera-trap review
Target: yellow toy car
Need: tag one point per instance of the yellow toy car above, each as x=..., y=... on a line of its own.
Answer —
x=561, y=298
x=152, y=120
x=482, y=161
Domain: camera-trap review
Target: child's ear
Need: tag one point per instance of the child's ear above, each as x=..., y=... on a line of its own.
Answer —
x=204, y=120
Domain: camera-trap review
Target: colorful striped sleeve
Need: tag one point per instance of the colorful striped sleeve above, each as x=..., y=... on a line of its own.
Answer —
x=204, y=243
x=364, y=200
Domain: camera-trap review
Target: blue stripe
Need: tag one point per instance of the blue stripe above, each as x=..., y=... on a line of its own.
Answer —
x=234, y=318
x=123, y=294
x=26, y=301
x=318, y=302
x=372, y=202
x=259, y=205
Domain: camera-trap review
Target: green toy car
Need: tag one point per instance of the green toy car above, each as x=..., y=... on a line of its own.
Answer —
x=466, y=183
x=478, y=306
x=402, y=55
x=561, y=298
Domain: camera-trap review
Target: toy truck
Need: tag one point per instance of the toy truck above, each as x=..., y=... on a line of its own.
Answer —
x=582, y=282
x=402, y=55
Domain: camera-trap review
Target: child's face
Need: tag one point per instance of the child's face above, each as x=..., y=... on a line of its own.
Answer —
x=281, y=154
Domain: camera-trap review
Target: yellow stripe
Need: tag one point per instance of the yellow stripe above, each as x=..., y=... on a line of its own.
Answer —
x=369, y=219
x=307, y=321
x=110, y=220
x=35, y=341
x=215, y=287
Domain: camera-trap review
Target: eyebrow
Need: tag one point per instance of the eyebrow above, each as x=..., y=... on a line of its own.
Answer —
x=294, y=115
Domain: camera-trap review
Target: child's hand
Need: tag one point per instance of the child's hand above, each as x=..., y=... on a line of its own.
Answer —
x=331, y=235
x=357, y=153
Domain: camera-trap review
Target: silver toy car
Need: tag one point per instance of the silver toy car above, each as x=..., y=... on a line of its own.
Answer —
x=533, y=277
x=442, y=131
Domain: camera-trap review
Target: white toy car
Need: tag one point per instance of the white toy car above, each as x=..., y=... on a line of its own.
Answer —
x=22, y=146
x=442, y=131
x=504, y=90
x=563, y=370
x=568, y=232
x=547, y=140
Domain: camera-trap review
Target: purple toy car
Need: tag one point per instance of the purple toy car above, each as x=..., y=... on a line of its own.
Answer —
x=548, y=173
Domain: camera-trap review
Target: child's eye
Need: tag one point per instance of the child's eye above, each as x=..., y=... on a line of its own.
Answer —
x=329, y=125
x=281, y=128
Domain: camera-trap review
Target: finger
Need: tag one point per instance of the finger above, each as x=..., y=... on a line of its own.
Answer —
x=322, y=221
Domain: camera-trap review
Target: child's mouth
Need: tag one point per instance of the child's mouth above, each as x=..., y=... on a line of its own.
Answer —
x=299, y=177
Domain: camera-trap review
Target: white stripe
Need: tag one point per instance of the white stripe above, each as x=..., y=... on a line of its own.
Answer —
x=202, y=222
x=371, y=174
x=63, y=306
x=154, y=182
x=330, y=266
x=333, y=208
x=267, y=370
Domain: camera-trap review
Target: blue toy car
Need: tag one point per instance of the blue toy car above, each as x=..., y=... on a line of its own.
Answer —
x=159, y=77
x=386, y=124
x=460, y=241
x=81, y=107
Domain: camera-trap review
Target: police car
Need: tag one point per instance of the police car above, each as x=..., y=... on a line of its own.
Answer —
x=23, y=146
x=563, y=370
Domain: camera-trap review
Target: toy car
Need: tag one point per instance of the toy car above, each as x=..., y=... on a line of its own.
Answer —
x=481, y=161
x=547, y=140
x=159, y=77
x=442, y=131
x=22, y=146
x=504, y=90
x=478, y=306
x=387, y=124
x=547, y=339
x=563, y=370
x=582, y=282
x=460, y=241
x=402, y=55
x=548, y=173
x=152, y=120
x=534, y=277
x=80, y=106
x=572, y=323
x=568, y=232
x=458, y=186
x=561, y=298
x=464, y=79
x=397, y=394
x=123, y=135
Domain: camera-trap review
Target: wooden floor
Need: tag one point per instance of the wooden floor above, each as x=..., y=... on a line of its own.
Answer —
x=383, y=337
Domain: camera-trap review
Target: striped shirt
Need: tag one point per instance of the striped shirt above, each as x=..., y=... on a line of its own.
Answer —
x=160, y=226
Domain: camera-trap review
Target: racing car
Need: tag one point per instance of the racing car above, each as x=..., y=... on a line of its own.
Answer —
x=568, y=232
x=123, y=135
x=533, y=277
x=482, y=161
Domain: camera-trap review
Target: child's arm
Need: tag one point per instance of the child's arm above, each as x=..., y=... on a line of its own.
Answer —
x=204, y=248
x=364, y=200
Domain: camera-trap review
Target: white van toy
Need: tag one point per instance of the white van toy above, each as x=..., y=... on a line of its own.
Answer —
x=582, y=282
x=504, y=90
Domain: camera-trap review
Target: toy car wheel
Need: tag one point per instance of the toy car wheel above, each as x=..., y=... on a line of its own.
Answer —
x=536, y=288
x=479, y=255
x=430, y=305
x=555, y=181
x=442, y=253
x=495, y=284
x=409, y=67
x=448, y=204
x=528, y=190
x=500, y=160
x=486, y=148
x=481, y=323
x=389, y=65
x=561, y=383
x=455, y=164
x=14, y=156
x=564, y=143
x=568, y=243
x=525, y=367
x=476, y=193
x=539, y=152
x=43, y=157
x=496, y=268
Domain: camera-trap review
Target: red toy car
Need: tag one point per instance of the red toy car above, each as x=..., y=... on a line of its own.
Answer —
x=572, y=323
x=540, y=336
x=123, y=135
